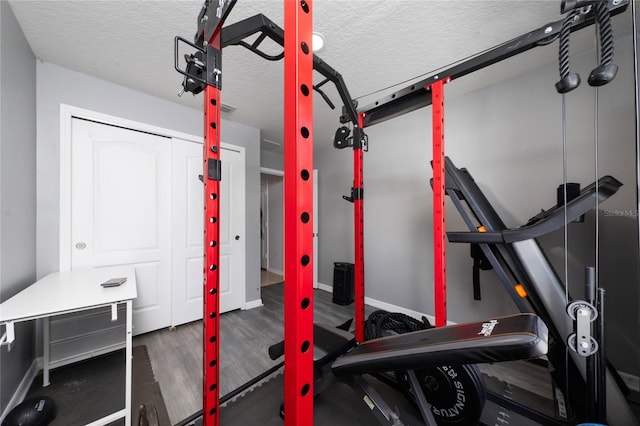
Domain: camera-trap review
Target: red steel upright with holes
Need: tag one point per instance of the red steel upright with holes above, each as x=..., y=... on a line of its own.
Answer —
x=298, y=188
x=211, y=325
x=358, y=226
x=439, y=242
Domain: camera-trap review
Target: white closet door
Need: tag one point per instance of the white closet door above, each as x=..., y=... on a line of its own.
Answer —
x=120, y=211
x=188, y=226
x=232, y=230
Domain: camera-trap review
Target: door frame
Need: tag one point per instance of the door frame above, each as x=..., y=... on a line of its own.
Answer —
x=280, y=173
x=276, y=172
x=67, y=114
x=264, y=225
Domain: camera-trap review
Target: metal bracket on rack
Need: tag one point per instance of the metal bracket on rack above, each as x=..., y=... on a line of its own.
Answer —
x=356, y=194
x=195, y=70
x=9, y=335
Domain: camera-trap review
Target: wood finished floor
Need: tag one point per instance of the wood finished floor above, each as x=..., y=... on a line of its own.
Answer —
x=176, y=356
x=269, y=278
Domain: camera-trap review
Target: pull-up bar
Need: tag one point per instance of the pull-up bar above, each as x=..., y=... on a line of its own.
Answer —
x=235, y=35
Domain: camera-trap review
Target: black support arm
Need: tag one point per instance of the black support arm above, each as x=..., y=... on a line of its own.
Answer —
x=416, y=96
x=210, y=18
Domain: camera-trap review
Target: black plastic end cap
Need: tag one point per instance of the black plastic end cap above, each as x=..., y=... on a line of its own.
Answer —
x=276, y=350
x=340, y=138
x=568, y=83
x=567, y=6
x=603, y=74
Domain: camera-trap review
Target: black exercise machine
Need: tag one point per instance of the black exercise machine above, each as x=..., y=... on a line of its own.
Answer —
x=517, y=258
x=338, y=356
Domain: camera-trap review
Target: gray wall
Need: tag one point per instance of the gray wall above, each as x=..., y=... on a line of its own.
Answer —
x=17, y=190
x=271, y=160
x=57, y=85
x=335, y=222
x=509, y=136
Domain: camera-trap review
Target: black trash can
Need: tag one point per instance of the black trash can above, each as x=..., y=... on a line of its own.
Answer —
x=342, y=283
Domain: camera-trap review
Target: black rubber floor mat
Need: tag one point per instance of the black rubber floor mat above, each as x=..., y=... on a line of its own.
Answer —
x=338, y=405
x=88, y=390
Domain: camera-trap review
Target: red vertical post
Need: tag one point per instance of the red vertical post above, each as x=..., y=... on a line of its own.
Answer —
x=358, y=210
x=298, y=169
x=211, y=178
x=439, y=242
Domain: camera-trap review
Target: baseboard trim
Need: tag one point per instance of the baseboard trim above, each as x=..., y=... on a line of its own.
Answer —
x=23, y=387
x=252, y=304
x=325, y=287
x=388, y=306
x=395, y=308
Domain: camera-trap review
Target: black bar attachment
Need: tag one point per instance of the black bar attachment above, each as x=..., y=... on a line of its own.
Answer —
x=417, y=96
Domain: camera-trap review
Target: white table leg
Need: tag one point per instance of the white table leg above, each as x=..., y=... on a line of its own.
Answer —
x=128, y=364
x=46, y=355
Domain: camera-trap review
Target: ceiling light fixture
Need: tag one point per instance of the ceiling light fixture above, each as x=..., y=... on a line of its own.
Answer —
x=317, y=42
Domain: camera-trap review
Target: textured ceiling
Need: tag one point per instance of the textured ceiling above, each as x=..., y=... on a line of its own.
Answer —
x=372, y=43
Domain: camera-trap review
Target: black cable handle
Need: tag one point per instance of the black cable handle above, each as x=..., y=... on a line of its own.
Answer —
x=607, y=70
x=568, y=80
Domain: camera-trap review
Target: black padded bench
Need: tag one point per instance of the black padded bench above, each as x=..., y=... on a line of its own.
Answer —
x=521, y=336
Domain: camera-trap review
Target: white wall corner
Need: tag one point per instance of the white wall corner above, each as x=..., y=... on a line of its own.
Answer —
x=252, y=304
x=23, y=387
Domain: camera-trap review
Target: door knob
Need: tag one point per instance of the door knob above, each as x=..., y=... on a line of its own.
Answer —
x=81, y=245
x=237, y=237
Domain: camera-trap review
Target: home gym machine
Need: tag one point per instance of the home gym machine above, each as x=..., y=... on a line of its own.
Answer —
x=502, y=339
x=546, y=299
x=517, y=337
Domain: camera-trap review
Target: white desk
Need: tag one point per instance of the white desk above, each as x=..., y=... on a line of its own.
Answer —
x=73, y=291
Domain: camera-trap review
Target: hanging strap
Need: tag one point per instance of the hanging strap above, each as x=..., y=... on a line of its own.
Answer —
x=480, y=262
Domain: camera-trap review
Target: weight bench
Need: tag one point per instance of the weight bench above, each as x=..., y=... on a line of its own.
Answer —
x=509, y=338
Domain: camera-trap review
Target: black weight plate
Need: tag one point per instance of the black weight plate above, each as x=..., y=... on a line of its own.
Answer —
x=456, y=393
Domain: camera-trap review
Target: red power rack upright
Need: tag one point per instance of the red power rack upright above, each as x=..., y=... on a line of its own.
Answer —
x=206, y=66
x=357, y=196
x=298, y=188
x=439, y=228
x=203, y=72
x=212, y=176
